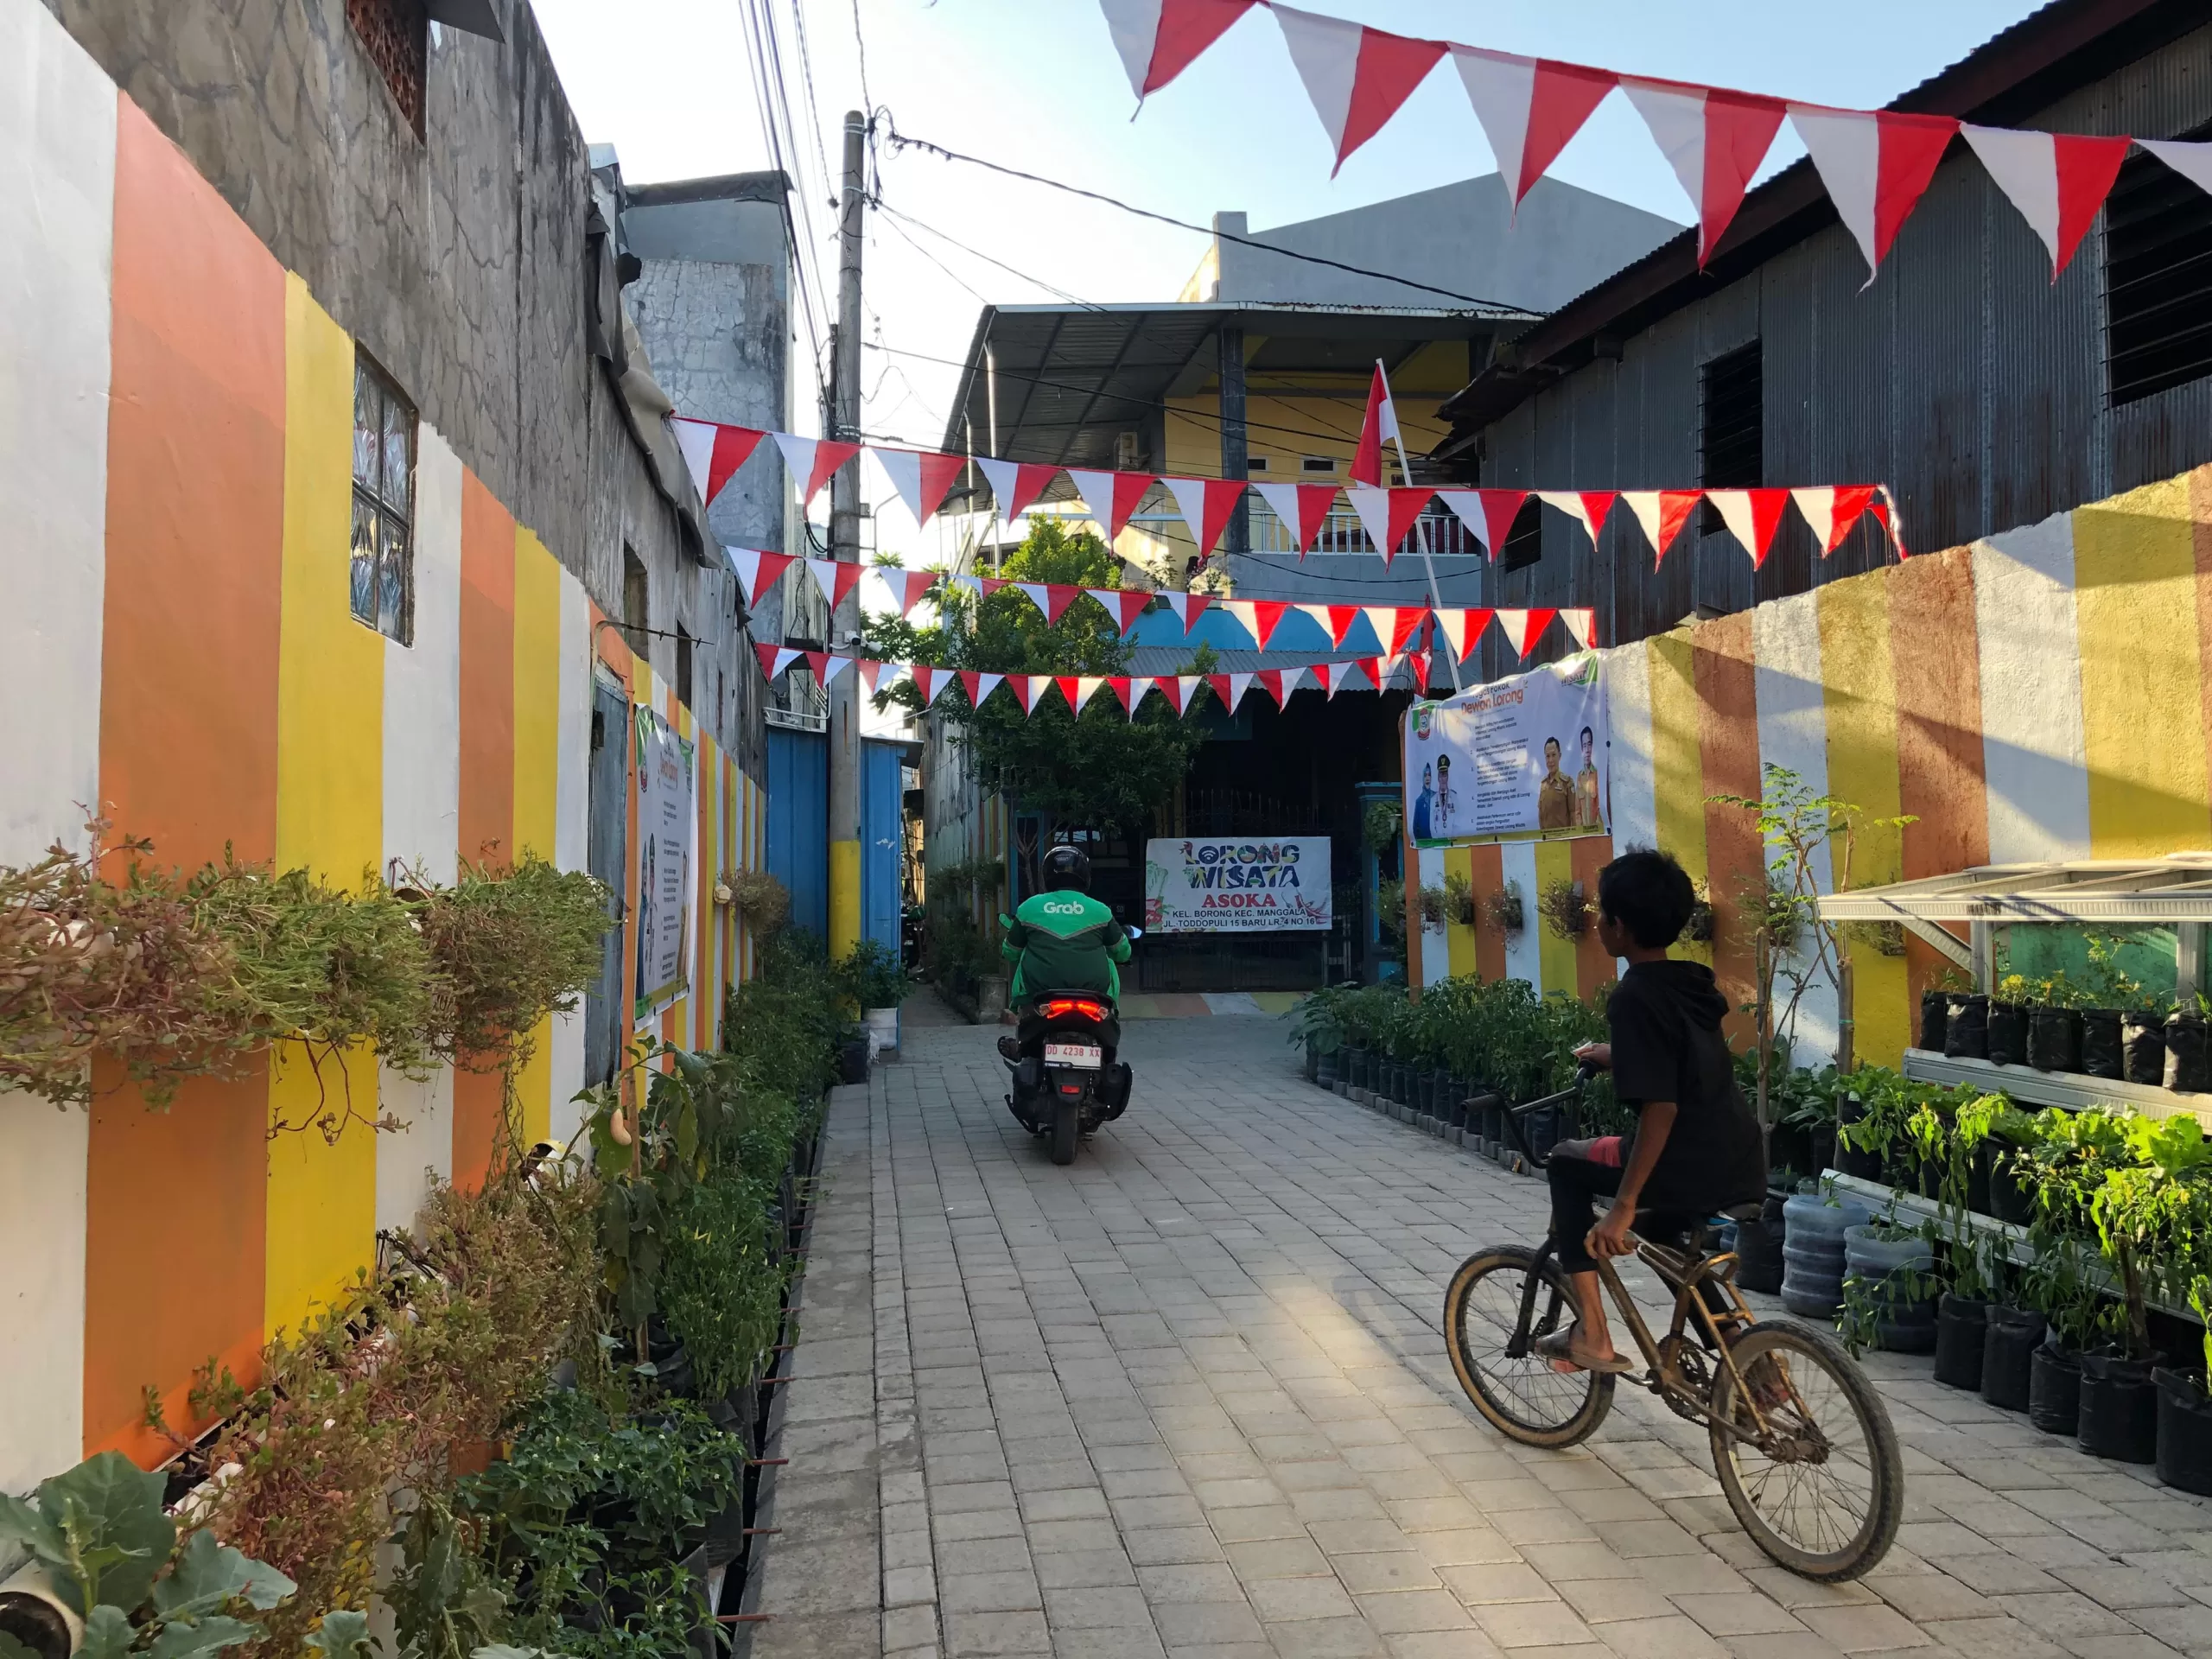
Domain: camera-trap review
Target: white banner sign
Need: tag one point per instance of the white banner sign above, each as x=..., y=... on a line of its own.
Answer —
x=1516, y=755
x=1236, y=885
x=668, y=836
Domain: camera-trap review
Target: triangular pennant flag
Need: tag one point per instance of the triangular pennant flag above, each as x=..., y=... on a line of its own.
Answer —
x=1301, y=508
x=1015, y=483
x=1882, y=509
x=979, y=685
x=1230, y=689
x=1335, y=621
x=835, y=578
x=1713, y=140
x=1587, y=508
x=1160, y=39
x=1357, y=77
x=1027, y=688
x=1332, y=676
x=1188, y=608
x=1581, y=625
x=775, y=659
x=1110, y=498
x=756, y=570
x=713, y=452
x=2056, y=180
x=1523, y=628
x=1035, y=592
x=811, y=462
x=921, y=476
x=1393, y=624
x=1260, y=617
x=1876, y=166
x=1272, y=682
x=1418, y=661
x=1663, y=513
x=1528, y=107
x=992, y=584
x=1124, y=605
x=1488, y=514
x=2192, y=161
x=1831, y=511
x=905, y=587
x=1173, y=688
x=1462, y=629
x=1123, y=687
x=1059, y=596
x=1387, y=516
x=930, y=681
x=967, y=583
x=1070, y=690
x=1752, y=516
x=869, y=669
x=1206, y=505
x=832, y=666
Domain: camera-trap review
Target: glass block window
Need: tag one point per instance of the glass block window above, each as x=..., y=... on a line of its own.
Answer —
x=384, y=499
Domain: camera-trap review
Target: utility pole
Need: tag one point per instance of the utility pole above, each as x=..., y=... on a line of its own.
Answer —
x=844, y=736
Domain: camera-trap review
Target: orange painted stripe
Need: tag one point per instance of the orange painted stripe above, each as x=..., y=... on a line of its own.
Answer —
x=1723, y=671
x=1487, y=875
x=196, y=516
x=1592, y=967
x=1935, y=658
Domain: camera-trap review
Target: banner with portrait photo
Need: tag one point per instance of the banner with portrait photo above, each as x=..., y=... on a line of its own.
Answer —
x=1238, y=885
x=1519, y=756
x=667, y=854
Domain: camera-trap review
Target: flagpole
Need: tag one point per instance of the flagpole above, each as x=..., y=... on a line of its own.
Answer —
x=1436, y=598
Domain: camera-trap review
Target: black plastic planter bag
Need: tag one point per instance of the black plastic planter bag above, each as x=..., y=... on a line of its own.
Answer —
x=1961, y=1323
x=2186, y=1062
x=2185, y=1433
x=2143, y=1049
x=1966, y=1036
x=2008, y=1034
x=2008, y=1353
x=2119, y=1409
x=1935, y=1016
x=2055, y=1039
x=2008, y=1199
x=2055, y=1390
x=2101, y=1052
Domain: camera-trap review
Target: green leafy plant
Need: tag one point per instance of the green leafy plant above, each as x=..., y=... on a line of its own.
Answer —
x=1503, y=912
x=1565, y=911
x=1459, y=907
x=512, y=945
x=873, y=975
x=760, y=898
x=1383, y=825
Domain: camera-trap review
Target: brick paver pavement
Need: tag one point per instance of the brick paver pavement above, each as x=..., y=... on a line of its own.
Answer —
x=1188, y=1396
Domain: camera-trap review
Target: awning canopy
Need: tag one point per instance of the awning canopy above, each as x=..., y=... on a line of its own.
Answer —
x=2142, y=893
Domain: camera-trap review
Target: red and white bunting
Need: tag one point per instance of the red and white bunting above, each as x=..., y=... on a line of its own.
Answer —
x=1230, y=689
x=1123, y=687
x=775, y=659
x=1110, y=498
x=1016, y=484
x=1831, y=511
x=1387, y=516
x=1587, y=508
x=871, y=670
x=921, y=476
x=1714, y=140
x=811, y=462
x=1279, y=682
x=1530, y=108
x=1051, y=597
x=989, y=585
x=1259, y=617
x=2192, y=161
x=1663, y=513
x=1206, y=505
x=1335, y=621
x=1752, y=515
x=1523, y=628
x=1488, y=514
x=825, y=666
x=930, y=681
x=1158, y=38
x=1124, y=605
x=756, y=570
x=1333, y=676
x=1078, y=689
x=713, y=452
x=978, y=685
x=1876, y=166
x=1302, y=508
x=1462, y=629
x=1175, y=687
x=2056, y=180
x=835, y=577
x=1393, y=624
x=1357, y=77
x=1188, y=608
x=906, y=588
x=1027, y=689
x=1581, y=625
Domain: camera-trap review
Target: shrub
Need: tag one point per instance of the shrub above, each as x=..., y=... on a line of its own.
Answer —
x=873, y=976
x=511, y=945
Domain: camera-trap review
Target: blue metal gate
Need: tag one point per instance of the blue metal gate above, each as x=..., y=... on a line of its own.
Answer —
x=881, y=832
x=798, y=824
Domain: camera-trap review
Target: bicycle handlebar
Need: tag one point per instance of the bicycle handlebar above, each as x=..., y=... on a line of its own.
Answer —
x=1583, y=1074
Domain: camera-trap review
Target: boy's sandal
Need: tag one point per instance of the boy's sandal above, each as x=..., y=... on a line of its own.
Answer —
x=1558, y=1347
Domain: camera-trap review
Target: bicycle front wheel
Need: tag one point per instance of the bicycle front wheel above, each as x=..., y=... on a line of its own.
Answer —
x=1820, y=1490
x=1524, y=1397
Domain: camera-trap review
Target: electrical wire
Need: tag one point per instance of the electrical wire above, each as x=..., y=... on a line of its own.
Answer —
x=860, y=45
x=1037, y=281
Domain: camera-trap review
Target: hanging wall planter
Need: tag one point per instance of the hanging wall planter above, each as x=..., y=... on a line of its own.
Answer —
x=1503, y=912
x=1565, y=913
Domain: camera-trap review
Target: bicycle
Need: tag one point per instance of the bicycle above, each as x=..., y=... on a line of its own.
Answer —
x=1801, y=1443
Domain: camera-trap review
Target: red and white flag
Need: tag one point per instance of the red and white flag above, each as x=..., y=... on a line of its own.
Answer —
x=1380, y=422
x=2056, y=180
x=1027, y=688
x=775, y=659
x=1123, y=687
x=825, y=666
x=1160, y=39
x=1523, y=628
x=1417, y=664
x=756, y=570
x=1124, y=605
x=1753, y=517
x=1830, y=511
x=1663, y=513
x=1357, y=77
x=1015, y=483
x=712, y=452
x=1587, y=508
x=1260, y=617
x=1051, y=597
x=978, y=685
x=1581, y=625
x=905, y=587
x=930, y=681
x=1463, y=629
x=1175, y=687
x=1389, y=515
x=1714, y=140
x=1230, y=689
x=1876, y=165
x=1530, y=108
x=1335, y=621
x=1188, y=608
x=1393, y=624
x=921, y=476
x=1206, y=505
x=1110, y=498
x=1302, y=509
x=812, y=462
x=1279, y=682
x=1335, y=675
x=1488, y=514
x=835, y=577
x=1079, y=688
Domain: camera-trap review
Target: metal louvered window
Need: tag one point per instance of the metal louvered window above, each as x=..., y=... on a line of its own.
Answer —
x=383, y=496
x=2158, y=281
x=1731, y=426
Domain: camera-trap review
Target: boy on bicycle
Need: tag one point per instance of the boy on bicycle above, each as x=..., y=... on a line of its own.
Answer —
x=1696, y=1147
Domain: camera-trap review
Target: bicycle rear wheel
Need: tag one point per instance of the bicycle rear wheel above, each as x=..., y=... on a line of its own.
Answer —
x=1524, y=1397
x=1822, y=1489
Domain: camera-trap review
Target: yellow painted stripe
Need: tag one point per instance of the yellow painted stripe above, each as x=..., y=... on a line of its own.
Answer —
x=1555, y=956
x=1677, y=766
x=321, y=1215
x=2135, y=600
x=1859, y=696
x=1458, y=941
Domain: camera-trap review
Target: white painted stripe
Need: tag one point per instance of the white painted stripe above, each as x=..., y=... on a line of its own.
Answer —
x=1627, y=669
x=57, y=191
x=1793, y=734
x=2033, y=753
x=1432, y=946
x=1524, y=949
x=571, y=829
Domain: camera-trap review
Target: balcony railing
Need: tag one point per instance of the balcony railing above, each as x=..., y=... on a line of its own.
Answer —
x=1342, y=535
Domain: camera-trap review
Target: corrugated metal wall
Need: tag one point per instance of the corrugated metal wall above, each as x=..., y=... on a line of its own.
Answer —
x=798, y=824
x=1963, y=377
x=880, y=840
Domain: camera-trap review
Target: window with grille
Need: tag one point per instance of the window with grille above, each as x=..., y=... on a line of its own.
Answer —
x=397, y=36
x=384, y=497
x=2158, y=281
x=1731, y=430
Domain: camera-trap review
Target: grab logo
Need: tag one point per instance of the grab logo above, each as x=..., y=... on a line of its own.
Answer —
x=1052, y=909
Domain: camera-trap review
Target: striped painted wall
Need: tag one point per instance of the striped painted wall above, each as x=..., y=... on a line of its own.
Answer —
x=2045, y=694
x=175, y=432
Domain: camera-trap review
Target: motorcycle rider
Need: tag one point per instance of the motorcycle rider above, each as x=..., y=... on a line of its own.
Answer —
x=1062, y=939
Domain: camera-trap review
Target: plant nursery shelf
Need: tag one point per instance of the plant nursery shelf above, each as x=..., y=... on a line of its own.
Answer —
x=2142, y=892
x=2066, y=1088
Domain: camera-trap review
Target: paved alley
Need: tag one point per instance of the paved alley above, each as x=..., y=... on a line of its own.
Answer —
x=1189, y=1397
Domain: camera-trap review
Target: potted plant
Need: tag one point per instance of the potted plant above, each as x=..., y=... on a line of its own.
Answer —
x=2185, y=1409
x=1890, y=1288
x=2188, y=1055
x=1934, y=1017
x=2109, y=995
x=2143, y=1043
x=1966, y=1031
x=1566, y=912
x=2007, y=1041
x=2054, y=1026
x=876, y=980
x=1503, y=912
x=2146, y=1211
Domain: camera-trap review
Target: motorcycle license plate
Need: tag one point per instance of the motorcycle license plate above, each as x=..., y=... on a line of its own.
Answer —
x=1083, y=1054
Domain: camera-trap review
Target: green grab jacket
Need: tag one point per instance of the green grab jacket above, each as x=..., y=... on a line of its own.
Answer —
x=1064, y=941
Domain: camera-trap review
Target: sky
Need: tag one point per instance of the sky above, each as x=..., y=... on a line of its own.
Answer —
x=1038, y=85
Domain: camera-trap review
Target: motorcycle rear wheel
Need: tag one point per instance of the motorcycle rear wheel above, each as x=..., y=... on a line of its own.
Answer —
x=1067, y=1130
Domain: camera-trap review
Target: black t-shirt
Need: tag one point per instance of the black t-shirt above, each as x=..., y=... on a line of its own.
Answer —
x=1667, y=1046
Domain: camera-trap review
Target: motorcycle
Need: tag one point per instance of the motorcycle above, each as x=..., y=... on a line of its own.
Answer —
x=1064, y=1083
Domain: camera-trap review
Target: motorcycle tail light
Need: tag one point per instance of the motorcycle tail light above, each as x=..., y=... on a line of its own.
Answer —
x=1059, y=1008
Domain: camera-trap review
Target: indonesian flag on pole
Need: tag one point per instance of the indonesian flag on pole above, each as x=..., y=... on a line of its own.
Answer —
x=1206, y=504
x=2056, y=180
x=1381, y=421
x=713, y=452
x=1663, y=513
x=1015, y=483
x=1752, y=515
x=1581, y=625
x=1587, y=508
x=1387, y=516
x=835, y=577
x=757, y=571
x=930, y=681
x=1463, y=629
x=1302, y=509
x=1335, y=621
x=775, y=659
x=1417, y=664
x=921, y=476
x=1260, y=617
x=1713, y=140
x=1110, y=498
x=1876, y=166
x=812, y=462
x=1124, y=605
x=1488, y=514
x=1831, y=511
x=1160, y=39
x=1523, y=628
x=1357, y=77
x=905, y=587
x=1530, y=108
x=1230, y=689
x=1188, y=608
x=978, y=685
x=1393, y=624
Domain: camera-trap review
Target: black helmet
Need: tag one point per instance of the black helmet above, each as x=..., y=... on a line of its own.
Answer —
x=1066, y=868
